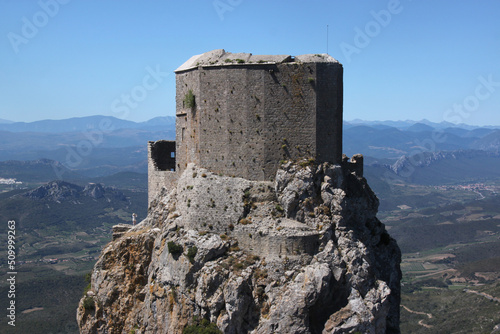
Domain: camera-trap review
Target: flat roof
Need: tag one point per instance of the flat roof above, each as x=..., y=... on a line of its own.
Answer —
x=220, y=57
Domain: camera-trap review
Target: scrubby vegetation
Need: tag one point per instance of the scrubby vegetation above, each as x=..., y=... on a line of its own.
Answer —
x=173, y=248
x=189, y=99
x=191, y=253
x=202, y=326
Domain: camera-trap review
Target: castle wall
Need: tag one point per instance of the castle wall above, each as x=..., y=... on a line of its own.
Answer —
x=275, y=245
x=216, y=204
x=186, y=125
x=329, y=107
x=249, y=117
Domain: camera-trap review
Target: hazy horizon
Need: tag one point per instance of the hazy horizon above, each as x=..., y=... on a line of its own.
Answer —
x=401, y=59
x=352, y=121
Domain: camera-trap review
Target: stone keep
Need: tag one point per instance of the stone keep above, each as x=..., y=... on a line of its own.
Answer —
x=240, y=115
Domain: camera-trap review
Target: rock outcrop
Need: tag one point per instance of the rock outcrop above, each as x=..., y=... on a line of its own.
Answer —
x=303, y=254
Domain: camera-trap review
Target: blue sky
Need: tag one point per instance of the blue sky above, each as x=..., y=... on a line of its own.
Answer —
x=405, y=59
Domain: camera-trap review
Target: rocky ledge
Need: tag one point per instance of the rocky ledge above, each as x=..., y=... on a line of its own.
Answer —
x=303, y=254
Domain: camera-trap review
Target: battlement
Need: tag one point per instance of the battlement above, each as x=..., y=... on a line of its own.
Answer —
x=240, y=114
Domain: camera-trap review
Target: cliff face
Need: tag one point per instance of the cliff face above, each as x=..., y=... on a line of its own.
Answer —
x=303, y=254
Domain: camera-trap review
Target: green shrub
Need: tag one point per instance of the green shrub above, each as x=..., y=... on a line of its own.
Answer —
x=191, y=253
x=174, y=248
x=88, y=303
x=189, y=101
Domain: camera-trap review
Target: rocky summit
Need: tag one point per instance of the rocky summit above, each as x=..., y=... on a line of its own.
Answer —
x=304, y=253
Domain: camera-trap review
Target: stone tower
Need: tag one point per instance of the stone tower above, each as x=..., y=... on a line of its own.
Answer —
x=240, y=115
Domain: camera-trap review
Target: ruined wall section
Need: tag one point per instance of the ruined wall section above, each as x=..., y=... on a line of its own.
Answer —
x=161, y=167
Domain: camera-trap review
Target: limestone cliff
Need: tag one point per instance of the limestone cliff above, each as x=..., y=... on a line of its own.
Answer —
x=302, y=254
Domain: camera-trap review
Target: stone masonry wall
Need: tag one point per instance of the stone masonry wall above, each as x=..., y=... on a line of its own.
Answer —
x=249, y=117
x=186, y=125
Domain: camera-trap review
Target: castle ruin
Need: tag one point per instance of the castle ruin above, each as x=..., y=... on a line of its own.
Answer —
x=241, y=115
x=290, y=244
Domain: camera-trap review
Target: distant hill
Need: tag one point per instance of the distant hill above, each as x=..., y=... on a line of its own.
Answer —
x=80, y=145
x=420, y=127
x=435, y=168
x=490, y=141
x=67, y=208
x=404, y=125
x=17, y=142
x=58, y=191
x=89, y=123
x=36, y=171
x=60, y=229
x=441, y=226
x=393, y=143
x=102, y=162
x=382, y=141
x=92, y=154
x=427, y=159
x=125, y=180
x=460, y=132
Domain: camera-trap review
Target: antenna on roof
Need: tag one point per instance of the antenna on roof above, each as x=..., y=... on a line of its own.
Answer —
x=327, y=39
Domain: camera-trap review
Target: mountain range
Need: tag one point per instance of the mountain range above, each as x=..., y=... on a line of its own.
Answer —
x=92, y=122
x=71, y=221
x=389, y=142
x=79, y=124
x=97, y=146
x=403, y=125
